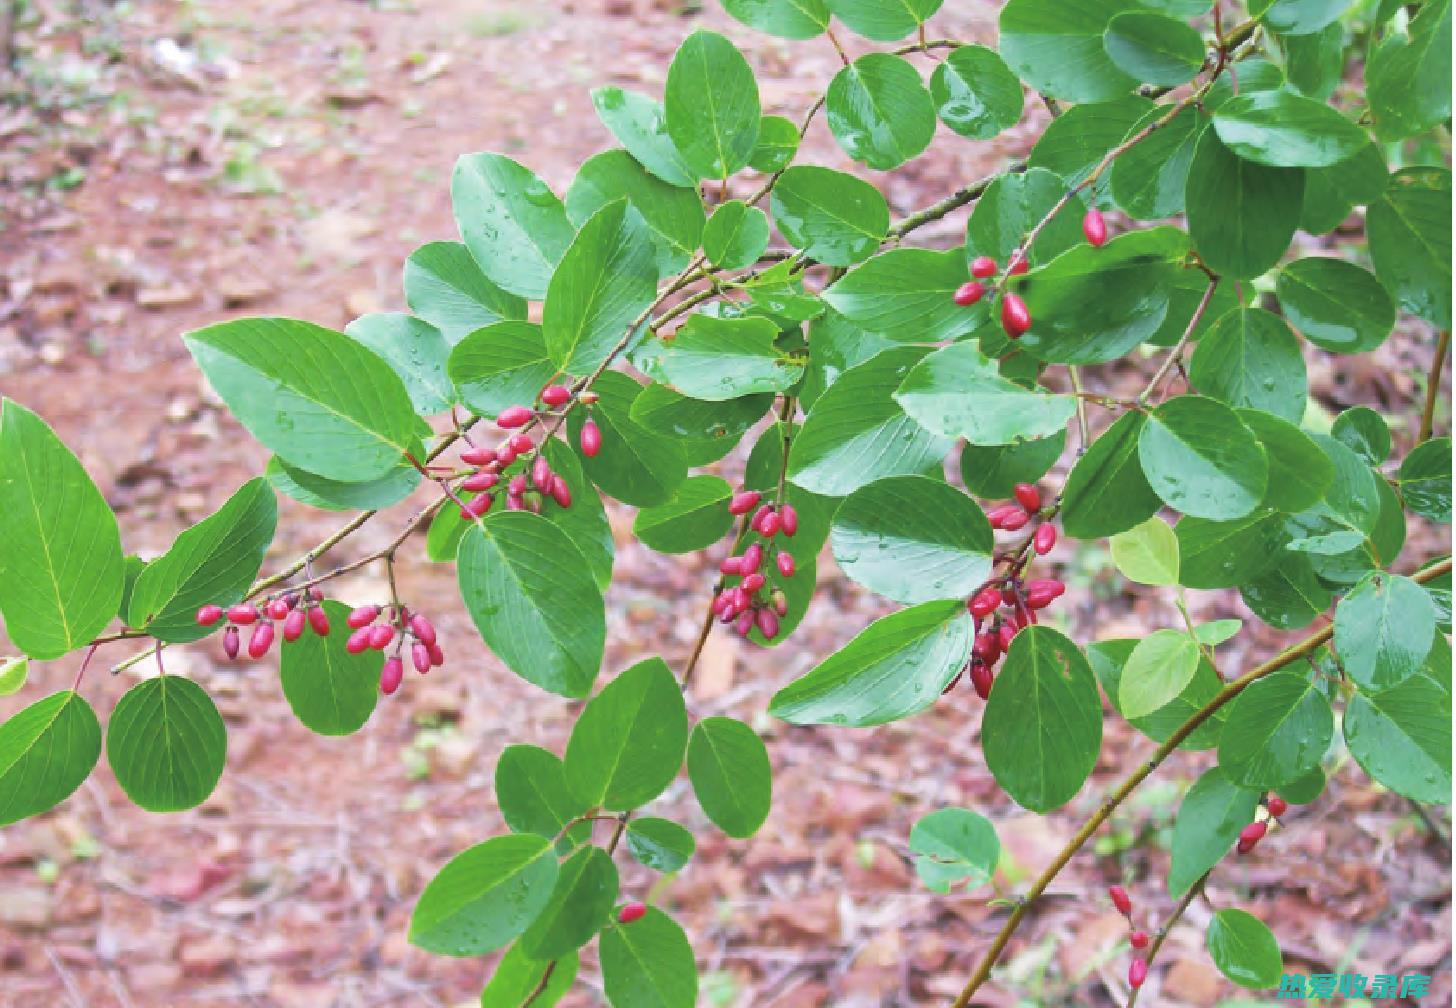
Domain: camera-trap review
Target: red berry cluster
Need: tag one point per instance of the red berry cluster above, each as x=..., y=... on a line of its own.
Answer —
x=296, y=609
x=1137, y=971
x=528, y=490
x=1251, y=834
x=398, y=627
x=1019, y=598
x=755, y=600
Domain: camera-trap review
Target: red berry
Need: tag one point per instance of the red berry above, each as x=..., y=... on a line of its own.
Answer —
x=230, y=642
x=437, y=656
x=363, y=616
x=786, y=564
x=982, y=678
x=1028, y=496
x=1095, y=227
x=1120, y=899
x=560, y=492
x=744, y=502
x=522, y=443
x=769, y=527
x=208, y=615
x=752, y=558
x=789, y=520
x=380, y=635
x=745, y=623
x=316, y=593
x=358, y=641
x=505, y=456
x=753, y=583
x=1015, y=520
x=1138, y=939
x=983, y=267
x=997, y=515
x=721, y=602
x=514, y=416
x=277, y=609
x=779, y=601
x=243, y=615
x=1045, y=539
x=631, y=912
x=984, y=602
x=423, y=629
x=482, y=480
x=476, y=506
x=1277, y=806
x=768, y=623
x=1137, y=973
x=517, y=486
x=1006, y=635
x=319, y=621
x=741, y=600
x=968, y=294
x=732, y=566
x=261, y=640
x=478, y=456
x=293, y=625
x=391, y=675
x=1019, y=264
x=591, y=438
x=515, y=502
x=1253, y=833
x=541, y=473
x=987, y=647
x=420, y=655
x=1015, y=318
x=555, y=395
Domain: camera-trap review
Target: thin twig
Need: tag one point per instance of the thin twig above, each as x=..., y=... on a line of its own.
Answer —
x=1163, y=932
x=1181, y=345
x=1433, y=385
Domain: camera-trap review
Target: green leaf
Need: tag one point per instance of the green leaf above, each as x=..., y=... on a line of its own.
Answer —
x=674, y=216
x=531, y=789
x=884, y=22
x=214, y=562
x=835, y=345
x=1300, y=472
x=958, y=392
x=728, y=765
x=1188, y=285
x=712, y=105
x=1201, y=460
x=1409, y=76
x=1410, y=241
x=736, y=235
x=501, y=365
x=1384, y=629
x=1241, y=214
x=61, y=570
x=794, y=19
x=1251, y=359
x=1160, y=668
x=1075, y=142
x=417, y=352
x=333, y=495
x=580, y=903
x=895, y=667
x=905, y=294
x=1149, y=180
x=994, y=471
x=1402, y=735
x=514, y=225
x=1154, y=48
x=1007, y=211
x=628, y=743
x=1315, y=63
x=330, y=690
x=1278, y=729
x=1425, y=480
x=1043, y=724
x=13, y=673
x=1227, y=554
x=1106, y=490
x=856, y=433
x=1215, y=633
x=317, y=398
x=1213, y=812
x=1364, y=432
x=975, y=92
x=1057, y=48
x=166, y=743
x=779, y=293
x=46, y=751
x=636, y=465
x=1335, y=304
x=879, y=111
x=706, y=431
x=533, y=599
x=604, y=282
x=485, y=896
x=517, y=978
x=1331, y=193
x=649, y=964
x=954, y=847
x=913, y=539
x=640, y=125
x=660, y=844
x=1108, y=659
x=1284, y=129
x=1147, y=553
x=765, y=462
x=716, y=359
x=1298, y=17
x=444, y=286
x=778, y=142
x=1332, y=544
x=1244, y=949
x=695, y=518
x=835, y=218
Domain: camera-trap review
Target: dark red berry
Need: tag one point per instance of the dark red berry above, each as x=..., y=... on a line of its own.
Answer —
x=1277, y=806
x=482, y=480
x=786, y=564
x=1045, y=539
x=752, y=558
x=591, y=438
x=631, y=912
x=1253, y=833
x=391, y=675
x=1120, y=899
x=987, y=647
x=1094, y=226
x=420, y=655
x=293, y=625
x=1015, y=317
x=789, y=519
x=316, y=593
x=514, y=416
x=423, y=629
x=1137, y=973
x=437, y=656
x=1019, y=264
x=968, y=294
x=261, y=640
x=982, y=679
x=243, y=615
x=744, y=502
x=983, y=267
x=1039, y=594
x=358, y=641
x=1028, y=496
x=1015, y=520
x=380, y=635
x=478, y=456
x=1006, y=635
x=560, y=492
x=230, y=642
x=1138, y=939
x=208, y=615
x=997, y=515
x=555, y=395
x=363, y=616
x=319, y=621
x=768, y=623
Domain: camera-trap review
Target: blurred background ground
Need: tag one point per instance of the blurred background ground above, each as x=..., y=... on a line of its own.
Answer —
x=168, y=164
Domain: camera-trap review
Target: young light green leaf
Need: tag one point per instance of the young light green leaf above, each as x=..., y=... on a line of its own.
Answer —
x=330, y=690
x=46, y=751
x=1109, y=658
x=13, y=672
x=958, y=392
x=649, y=964
x=732, y=778
x=485, y=896
x=628, y=743
x=712, y=105
x=954, y=847
x=166, y=743
x=1244, y=949
x=444, y=286
x=879, y=111
x=1160, y=667
x=1384, y=629
x=514, y=225
x=835, y=218
x=1277, y=730
x=1147, y=553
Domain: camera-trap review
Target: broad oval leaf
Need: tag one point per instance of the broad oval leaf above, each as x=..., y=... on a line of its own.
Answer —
x=1208, y=823
x=640, y=124
x=1200, y=459
x=717, y=359
x=778, y=142
x=905, y=294
x=895, y=667
x=1409, y=76
x=1425, y=480
x=695, y=518
x=1154, y=48
x=959, y=392
x=1243, y=242
x=514, y=225
x=1402, y=735
x=1147, y=553
x=636, y=465
x=1228, y=554
x=1251, y=359
x=1043, y=723
x=1075, y=142
x=1278, y=728
x=835, y=218
x=61, y=572
x=46, y=751
x=417, y=352
x=518, y=977
x=581, y=900
x=975, y=92
x=674, y=216
x=531, y=789
x=913, y=539
x=1106, y=491
x=1014, y=204
x=994, y=471
x=729, y=767
x=794, y=19
x=660, y=844
x=649, y=964
x=444, y=286
x=1364, y=432
x=485, y=896
x=628, y=743
x=501, y=365
x=532, y=597
x=1244, y=949
x=1149, y=180
x=736, y=235
x=166, y=743
x=330, y=690
x=1410, y=241
x=879, y=111
x=1057, y=47
x=1384, y=629
x=706, y=431
x=884, y=22
x=1108, y=659
x=712, y=105
x=335, y=495
x=1160, y=667
x=1284, y=129
x=1289, y=595
x=1300, y=471
x=954, y=847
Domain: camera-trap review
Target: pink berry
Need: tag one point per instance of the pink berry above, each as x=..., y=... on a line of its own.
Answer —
x=631, y=912
x=555, y=395
x=1028, y=496
x=745, y=623
x=1137, y=973
x=423, y=629
x=968, y=294
x=752, y=558
x=758, y=516
x=230, y=642
x=517, y=486
x=1019, y=264
x=261, y=640
x=243, y=615
x=1277, y=806
x=1015, y=520
x=1044, y=540
x=753, y=583
x=789, y=519
x=505, y=455
x=380, y=635
x=476, y=506
x=1006, y=635
x=277, y=609
x=482, y=480
x=208, y=615
x=420, y=655
x=1015, y=316
x=998, y=515
x=522, y=443
x=1120, y=899
x=1040, y=594
x=731, y=566
x=741, y=600
x=983, y=267
x=363, y=616
x=1138, y=939
x=591, y=438
x=768, y=623
x=560, y=492
x=769, y=525
x=541, y=473
x=1253, y=833
x=437, y=655
x=358, y=641
x=478, y=456
x=293, y=625
x=984, y=602
x=319, y=621
x=744, y=502
x=1094, y=226
x=391, y=675
x=786, y=564
x=514, y=416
